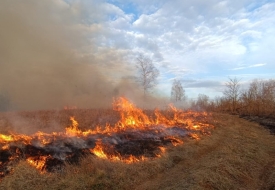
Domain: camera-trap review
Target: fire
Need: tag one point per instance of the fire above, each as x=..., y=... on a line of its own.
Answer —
x=4, y=138
x=130, y=115
x=176, y=141
x=73, y=129
x=38, y=163
x=98, y=151
x=135, y=137
x=195, y=136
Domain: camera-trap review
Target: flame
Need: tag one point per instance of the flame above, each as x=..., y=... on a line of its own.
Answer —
x=73, y=129
x=162, y=150
x=38, y=163
x=131, y=119
x=134, y=118
x=6, y=138
x=176, y=141
x=130, y=115
x=98, y=151
x=195, y=136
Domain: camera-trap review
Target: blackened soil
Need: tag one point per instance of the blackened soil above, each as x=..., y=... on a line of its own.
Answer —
x=267, y=122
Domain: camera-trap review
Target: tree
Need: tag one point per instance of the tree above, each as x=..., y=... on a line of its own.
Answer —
x=202, y=102
x=147, y=72
x=177, y=91
x=259, y=98
x=232, y=92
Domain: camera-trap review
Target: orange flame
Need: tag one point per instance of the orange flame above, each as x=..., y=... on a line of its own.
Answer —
x=38, y=163
x=73, y=129
x=131, y=118
x=5, y=138
x=98, y=151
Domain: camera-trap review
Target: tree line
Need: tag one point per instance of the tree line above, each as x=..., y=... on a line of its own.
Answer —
x=256, y=100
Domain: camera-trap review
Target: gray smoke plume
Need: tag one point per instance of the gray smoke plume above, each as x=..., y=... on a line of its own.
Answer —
x=42, y=62
x=39, y=66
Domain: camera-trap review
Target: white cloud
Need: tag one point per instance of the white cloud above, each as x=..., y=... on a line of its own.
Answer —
x=249, y=66
x=238, y=68
x=189, y=38
x=258, y=65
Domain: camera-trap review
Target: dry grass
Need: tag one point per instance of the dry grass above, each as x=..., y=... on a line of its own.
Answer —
x=238, y=155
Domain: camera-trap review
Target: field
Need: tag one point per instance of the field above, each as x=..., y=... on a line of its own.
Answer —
x=237, y=155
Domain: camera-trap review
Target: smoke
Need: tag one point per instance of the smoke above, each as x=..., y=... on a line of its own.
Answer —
x=42, y=62
x=127, y=87
x=39, y=65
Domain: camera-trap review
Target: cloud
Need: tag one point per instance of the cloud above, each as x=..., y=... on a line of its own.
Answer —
x=239, y=68
x=195, y=38
x=249, y=66
x=258, y=65
x=202, y=84
x=186, y=30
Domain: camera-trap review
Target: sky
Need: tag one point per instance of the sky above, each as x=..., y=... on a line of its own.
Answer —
x=202, y=43
x=199, y=42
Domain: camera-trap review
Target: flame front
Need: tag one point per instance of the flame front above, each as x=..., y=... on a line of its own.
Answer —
x=73, y=129
x=135, y=137
x=38, y=163
x=98, y=151
x=130, y=116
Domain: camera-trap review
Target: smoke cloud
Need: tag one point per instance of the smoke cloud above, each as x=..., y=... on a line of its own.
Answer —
x=39, y=66
x=41, y=59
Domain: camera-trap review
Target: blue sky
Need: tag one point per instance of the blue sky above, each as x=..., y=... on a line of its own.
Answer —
x=199, y=42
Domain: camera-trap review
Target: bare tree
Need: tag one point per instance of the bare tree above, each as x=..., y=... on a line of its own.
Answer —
x=259, y=99
x=202, y=102
x=177, y=91
x=148, y=73
x=232, y=92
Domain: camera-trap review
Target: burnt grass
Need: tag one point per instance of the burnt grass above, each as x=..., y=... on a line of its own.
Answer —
x=237, y=154
x=62, y=149
x=267, y=122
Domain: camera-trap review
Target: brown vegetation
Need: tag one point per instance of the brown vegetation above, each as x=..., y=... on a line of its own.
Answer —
x=256, y=103
x=237, y=155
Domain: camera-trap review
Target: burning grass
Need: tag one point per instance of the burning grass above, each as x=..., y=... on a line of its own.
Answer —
x=237, y=155
x=135, y=137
